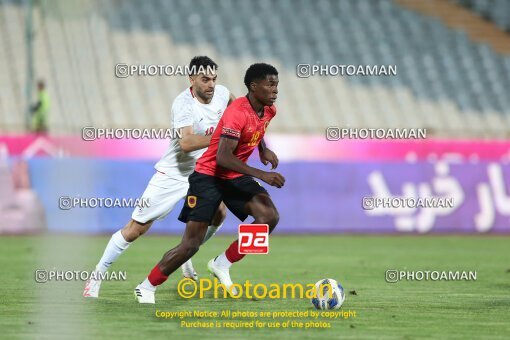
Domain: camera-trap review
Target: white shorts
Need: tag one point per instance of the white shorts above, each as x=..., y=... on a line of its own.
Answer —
x=162, y=193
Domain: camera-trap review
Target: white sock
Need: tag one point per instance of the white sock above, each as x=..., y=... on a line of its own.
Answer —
x=222, y=261
x=211, y=230
x=146, y=284
x=115, y=247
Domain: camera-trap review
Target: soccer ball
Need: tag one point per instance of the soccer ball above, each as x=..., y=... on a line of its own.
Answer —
x=329, y=294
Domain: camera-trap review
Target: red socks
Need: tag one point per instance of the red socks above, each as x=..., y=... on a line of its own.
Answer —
x=232, y=253
x=156, y=277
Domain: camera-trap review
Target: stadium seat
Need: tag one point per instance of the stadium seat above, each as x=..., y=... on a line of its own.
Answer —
x=445, y=82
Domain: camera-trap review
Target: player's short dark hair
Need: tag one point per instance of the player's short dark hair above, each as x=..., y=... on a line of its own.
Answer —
x=201, y=63
x=258, y=71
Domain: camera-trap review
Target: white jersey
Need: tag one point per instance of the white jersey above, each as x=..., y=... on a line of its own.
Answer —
x=188, y=111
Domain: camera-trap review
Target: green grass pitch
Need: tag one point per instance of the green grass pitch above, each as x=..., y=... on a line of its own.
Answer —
x=403, y=310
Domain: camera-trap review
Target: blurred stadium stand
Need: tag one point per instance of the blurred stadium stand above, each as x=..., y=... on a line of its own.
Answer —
x=446, y=82
x=493, y=10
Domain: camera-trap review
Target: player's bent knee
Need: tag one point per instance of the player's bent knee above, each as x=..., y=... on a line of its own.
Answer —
x=269, y=217
x=274, y=219
x=135, y=229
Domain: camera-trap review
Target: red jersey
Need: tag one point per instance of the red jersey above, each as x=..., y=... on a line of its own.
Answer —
x=240, y=122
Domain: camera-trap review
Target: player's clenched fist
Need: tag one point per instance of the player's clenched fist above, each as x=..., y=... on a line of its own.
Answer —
x=273, y=179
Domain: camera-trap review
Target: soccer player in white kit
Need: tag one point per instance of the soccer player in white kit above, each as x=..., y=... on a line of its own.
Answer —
x=195, y=112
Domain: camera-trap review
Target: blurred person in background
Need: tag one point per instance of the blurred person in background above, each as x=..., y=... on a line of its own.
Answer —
x=40, y=109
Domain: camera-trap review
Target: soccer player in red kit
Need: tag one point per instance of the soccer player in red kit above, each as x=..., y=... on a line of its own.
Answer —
x=221, y=174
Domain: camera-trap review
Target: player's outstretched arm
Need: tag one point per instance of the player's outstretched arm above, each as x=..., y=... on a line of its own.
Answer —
x=225, y=158
x=191, y=142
